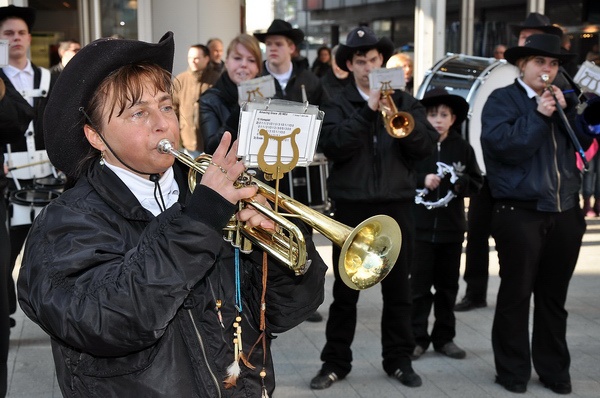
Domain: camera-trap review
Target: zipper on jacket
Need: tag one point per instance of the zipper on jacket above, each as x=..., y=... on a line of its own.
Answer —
x=558, y=179
x=203, y=349
x=435, y=217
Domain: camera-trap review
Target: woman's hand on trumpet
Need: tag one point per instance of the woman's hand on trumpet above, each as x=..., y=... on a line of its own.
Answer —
x=221, y=176
x=547, y=103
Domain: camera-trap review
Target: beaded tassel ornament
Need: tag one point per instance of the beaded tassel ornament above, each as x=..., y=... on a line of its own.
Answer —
x=234, y=370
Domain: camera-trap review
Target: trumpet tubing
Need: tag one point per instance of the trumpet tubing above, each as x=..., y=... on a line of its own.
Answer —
x=368, y=252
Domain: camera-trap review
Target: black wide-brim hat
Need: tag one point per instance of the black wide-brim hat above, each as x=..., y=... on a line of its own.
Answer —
x=27, y=14
x=545, y=45
x=439, y=96
x=280, y=27
x=362, y=39
x=65, y=140
x=539, y=22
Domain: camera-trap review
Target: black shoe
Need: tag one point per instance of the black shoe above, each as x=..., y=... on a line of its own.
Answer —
x=315, y=317
x=559, y=387
x=451, y=350
x=12, y=322
x=417, y=352
x=466, y=304
x=512, y=386
x=323, y=380
x=409, y=378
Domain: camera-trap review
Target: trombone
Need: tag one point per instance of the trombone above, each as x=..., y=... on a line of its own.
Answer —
x=368, y=252
x=563, y=117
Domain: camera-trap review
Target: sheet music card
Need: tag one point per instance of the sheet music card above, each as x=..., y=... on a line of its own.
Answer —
x=297, y=122
x=3, y=52
x=390, y=78
x=261, y=87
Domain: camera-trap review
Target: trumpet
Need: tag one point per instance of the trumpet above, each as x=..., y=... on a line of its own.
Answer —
x=397, y=124
x=368, y=252
x=563, y=117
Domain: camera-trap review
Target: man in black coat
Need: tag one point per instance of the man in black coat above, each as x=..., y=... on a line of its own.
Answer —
x=372, y=173
x=27, y=88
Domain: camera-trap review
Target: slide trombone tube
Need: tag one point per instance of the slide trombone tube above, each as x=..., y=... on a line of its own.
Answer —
x=563, y=117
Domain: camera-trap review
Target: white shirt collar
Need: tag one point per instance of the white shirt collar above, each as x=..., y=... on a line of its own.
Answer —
x=143, y=189
x=12, y=71
x=529, y=90
x=282, y=78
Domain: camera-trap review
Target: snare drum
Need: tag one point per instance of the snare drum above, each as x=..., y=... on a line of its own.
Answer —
x=24, y=205
x=308, y=185
x=474, y=79
x=52, y=183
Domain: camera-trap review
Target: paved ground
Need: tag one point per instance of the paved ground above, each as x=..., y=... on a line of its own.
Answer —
x=296, y=353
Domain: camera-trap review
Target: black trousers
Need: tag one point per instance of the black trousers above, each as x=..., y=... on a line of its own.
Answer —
x=435, y=265
x=478, y=248
x=537, y=252
x=396, y=334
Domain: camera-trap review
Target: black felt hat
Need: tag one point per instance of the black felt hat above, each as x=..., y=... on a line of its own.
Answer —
x=542, y=44
x=280, y=27
x=63, y=120
x=27, y=14
x=362, y=39
x=439, y=96
x=536, y=21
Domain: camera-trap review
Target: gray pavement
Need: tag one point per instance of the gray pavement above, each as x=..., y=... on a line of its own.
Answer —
x=296, y=353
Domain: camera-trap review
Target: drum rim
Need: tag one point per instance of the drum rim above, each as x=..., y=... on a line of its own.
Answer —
x=16, y=200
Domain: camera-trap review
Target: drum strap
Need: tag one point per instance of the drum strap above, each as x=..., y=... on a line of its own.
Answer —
x=42, y=90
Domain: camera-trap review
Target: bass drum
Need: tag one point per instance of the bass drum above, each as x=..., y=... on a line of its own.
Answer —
x=474, y=79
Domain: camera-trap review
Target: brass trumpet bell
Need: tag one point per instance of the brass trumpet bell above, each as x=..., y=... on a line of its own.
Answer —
x=368, y=252
x=397, y=124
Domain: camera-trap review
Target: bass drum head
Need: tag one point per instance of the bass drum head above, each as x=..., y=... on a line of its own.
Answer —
x=474, y=79
x=500, y=76
x=26, y=204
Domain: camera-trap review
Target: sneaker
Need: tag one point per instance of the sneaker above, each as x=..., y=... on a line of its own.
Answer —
x=417, y=352
x=315, y=317
x=451, y=350
x=323, y=380
x=466, y=304
x=409, y=378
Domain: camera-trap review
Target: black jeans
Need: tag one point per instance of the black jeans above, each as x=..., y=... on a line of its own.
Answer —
x=478, y=249
x=396, y=332
x=537, y=252
x=435, y=265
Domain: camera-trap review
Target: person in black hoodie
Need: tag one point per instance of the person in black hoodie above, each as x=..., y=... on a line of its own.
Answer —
x=441, y=224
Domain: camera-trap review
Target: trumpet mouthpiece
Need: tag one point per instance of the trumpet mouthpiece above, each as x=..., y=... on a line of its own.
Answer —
x=545, y=77
x=164, y=146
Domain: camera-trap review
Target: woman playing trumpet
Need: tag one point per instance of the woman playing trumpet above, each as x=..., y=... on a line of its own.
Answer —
x=537, y=222
x=128, y=272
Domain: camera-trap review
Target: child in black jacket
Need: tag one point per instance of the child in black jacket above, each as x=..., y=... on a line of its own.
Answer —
x=445, y=178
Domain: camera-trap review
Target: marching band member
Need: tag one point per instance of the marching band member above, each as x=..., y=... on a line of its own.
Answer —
x=537, y=221
x=127, y=271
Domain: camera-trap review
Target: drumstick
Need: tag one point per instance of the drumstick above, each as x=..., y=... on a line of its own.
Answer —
x=28, y=165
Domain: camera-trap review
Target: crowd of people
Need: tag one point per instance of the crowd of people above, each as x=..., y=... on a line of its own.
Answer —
x=128, y=272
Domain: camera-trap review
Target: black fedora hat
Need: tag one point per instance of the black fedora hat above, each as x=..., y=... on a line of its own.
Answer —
x=543, y=44
x=27, y=14
x=536, y=21
x=362, y=39
x=438, y=96
x=280, y=27
x=63, y=120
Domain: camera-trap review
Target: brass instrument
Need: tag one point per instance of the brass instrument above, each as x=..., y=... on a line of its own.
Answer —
x=368, y=252
x=563, y=117
x=397, y=124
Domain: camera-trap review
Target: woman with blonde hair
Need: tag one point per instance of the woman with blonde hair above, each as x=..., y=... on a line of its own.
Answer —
x=219, y=107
